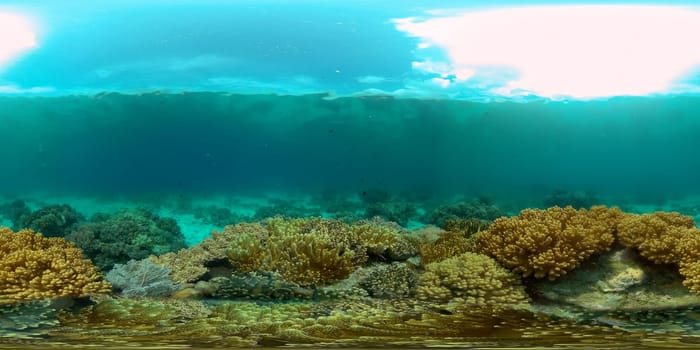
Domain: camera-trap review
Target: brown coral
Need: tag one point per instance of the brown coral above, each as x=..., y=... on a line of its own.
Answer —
x=471, y=279
x=689, y=265
x=35, y=267
x=311, y=251
x=309, y=259
x=548, y=243
x=657, y=236
x=448, y=245
x=666, y=238
x=189, y=265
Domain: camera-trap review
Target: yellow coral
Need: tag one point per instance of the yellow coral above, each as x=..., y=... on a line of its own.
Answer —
x=186, y=265
x=471, y=279
x=309, y=260
x=189, y=265
x=657, y=236
x=448, y=245
x=376, y=239
x=690, y=270
x=35, y=267
x=304, y=251
x=548, y=243
x=467, y=226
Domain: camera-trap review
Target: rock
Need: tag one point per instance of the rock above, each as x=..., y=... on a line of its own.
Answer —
x=619, y=280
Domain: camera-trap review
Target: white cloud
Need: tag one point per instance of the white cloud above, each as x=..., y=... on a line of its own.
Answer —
x=17, y=35
x=578, y=51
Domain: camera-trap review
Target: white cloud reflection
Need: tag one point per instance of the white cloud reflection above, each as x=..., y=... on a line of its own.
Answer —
x=17, y=35
x=580, y=51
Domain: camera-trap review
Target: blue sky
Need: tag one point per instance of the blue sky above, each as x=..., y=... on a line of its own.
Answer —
x=455, y=49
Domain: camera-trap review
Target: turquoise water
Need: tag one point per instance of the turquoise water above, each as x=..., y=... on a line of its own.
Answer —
x=210, y=143
x=133, y=131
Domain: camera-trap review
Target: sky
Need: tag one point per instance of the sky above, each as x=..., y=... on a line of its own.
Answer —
x=474, y=50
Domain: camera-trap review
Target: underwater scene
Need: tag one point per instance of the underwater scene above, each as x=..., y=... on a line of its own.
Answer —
x=324, y=174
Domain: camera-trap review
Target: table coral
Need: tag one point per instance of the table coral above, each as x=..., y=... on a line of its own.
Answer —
x=35, y=267
x=548, y=243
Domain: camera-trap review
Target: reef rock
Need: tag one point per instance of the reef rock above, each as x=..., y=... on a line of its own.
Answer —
x=618, y=280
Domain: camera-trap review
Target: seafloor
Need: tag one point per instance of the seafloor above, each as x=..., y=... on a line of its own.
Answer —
x=371, y=270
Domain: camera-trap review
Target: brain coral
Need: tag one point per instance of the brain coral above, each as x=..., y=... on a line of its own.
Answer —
x=551, y=242
x=35, y=267
x=471, y=279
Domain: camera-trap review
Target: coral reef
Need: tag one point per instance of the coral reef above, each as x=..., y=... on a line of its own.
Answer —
x=456, y=239
x=190, y=265
x=548, y=243
x=126, y=235
x=141, y=278
x=14, y=211
x=578, y=199
x=382, y=240
x=657, y=236
x=51, y=221
x=463, y=210
x=449, y=244
x=395, y=280
x=302, y=251
x=471, y=279
x=217, y=216
x=399, y=212
x=665, y=238
x=613, y=281
x=321, y=281
x=315, y=251
x=258, y=286
x=468, y=227
x=35, y=267
x=284, y=207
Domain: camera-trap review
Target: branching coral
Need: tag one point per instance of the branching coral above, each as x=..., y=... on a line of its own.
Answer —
x=126, y=235
x=463, y=210
x=471, y=279
x=34, y=267
x=393, y=280
x=258, y=286
x=468, y=227
x=449, y=244
x=548, y=243
x=189, y=265
x=657, y=236
x=665, y=238
x=399, y=212
x=309, y=259
x=51, y=221
x=314, y=251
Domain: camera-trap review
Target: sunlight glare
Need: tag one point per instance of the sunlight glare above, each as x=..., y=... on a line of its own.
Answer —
x=16, y=36
x=580, y=51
